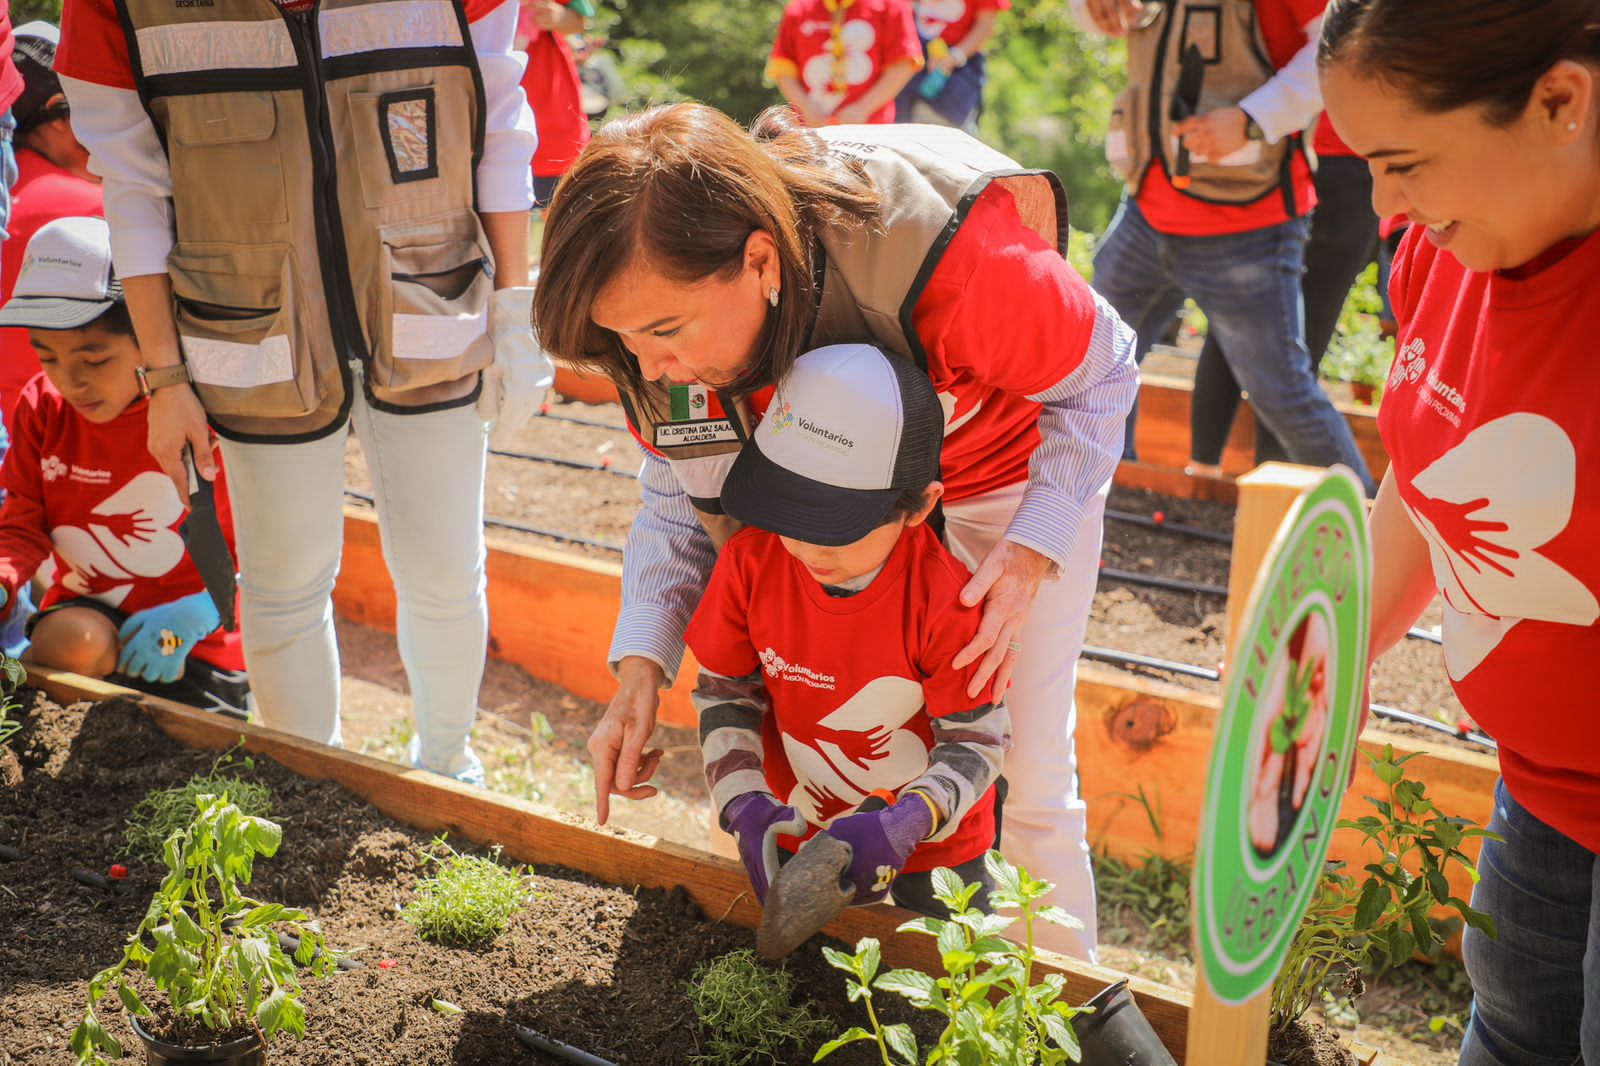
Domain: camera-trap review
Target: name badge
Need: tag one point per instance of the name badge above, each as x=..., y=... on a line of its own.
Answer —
x=707, y=431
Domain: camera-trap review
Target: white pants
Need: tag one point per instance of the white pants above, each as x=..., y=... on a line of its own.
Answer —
x=427, y=475
x=1044, y=824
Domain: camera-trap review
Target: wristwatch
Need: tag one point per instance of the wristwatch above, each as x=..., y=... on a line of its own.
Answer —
x=153, y=378
x=1252, y=128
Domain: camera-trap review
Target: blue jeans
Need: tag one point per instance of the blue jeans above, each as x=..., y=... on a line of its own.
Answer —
x=1536, y=987
x=1248, y=284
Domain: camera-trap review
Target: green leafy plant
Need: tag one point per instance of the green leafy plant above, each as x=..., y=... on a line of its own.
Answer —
x=165, y=810
x=1290, y=725
x=1386, y=918
x=994, y=1012
x=216, y=955
x=1154, y=889
x=12, y=675
x=747, y=1012
x=471, y=899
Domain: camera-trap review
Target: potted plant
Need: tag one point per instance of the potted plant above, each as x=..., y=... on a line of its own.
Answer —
x=994, y=1011
x=214, y=952
x=1361, y=358
x=1384, y=919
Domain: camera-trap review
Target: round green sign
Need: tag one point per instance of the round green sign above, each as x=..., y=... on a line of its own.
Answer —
x=1287, y=733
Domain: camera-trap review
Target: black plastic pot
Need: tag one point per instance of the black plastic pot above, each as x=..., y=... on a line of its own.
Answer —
x=1118, y=1033
x=241, y=1051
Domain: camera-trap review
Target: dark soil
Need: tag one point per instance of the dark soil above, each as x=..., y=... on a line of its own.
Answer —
x=1303, y=1044
x=598, y=966
x=1185, y=627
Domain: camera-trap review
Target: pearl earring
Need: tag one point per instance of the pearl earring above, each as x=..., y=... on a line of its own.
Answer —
x=1572, y=127
x=772, y=296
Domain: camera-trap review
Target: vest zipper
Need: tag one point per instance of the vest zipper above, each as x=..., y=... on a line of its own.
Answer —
x=332, y=257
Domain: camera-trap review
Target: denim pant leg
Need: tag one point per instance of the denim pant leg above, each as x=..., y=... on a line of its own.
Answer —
x=1248, y=284
x=1531, y=984
x=1132, y=273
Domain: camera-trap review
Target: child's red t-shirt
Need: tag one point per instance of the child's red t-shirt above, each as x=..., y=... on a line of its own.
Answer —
x=1490, y=425
x=88, y=508
x=951, y=20
x=873, y=35
x=853, y=680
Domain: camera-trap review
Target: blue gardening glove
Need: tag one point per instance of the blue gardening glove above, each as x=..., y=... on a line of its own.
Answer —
x=756, y=820
x=157, y=640
x=881, y=841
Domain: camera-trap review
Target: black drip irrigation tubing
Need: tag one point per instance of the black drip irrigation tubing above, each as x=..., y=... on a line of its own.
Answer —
x=591, y=423
x=1394, y=714
x=1172, y=584
x=1158, y=522
x=575, y=464
x=520, y=527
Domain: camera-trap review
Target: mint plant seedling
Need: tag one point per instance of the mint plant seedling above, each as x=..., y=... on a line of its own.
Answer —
x=747, y=1012
x=993, y=1010
x=470, y=901
x=12, y=675
x=216, y=955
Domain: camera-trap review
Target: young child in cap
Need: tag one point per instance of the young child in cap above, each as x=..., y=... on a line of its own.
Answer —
x=87, y=507
x=826, y=635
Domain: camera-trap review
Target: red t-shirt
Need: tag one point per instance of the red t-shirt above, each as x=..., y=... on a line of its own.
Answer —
x=951, y=20
x=1283, y=24
x=1490, y=426
x=44, y=192
x=94, y=48
x=873, y=36
x=10, y=76
x=90, y=510
x=551, y=83
x=853, y=680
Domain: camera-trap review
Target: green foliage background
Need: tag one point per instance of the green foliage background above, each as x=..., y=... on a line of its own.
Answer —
x=1049, y=94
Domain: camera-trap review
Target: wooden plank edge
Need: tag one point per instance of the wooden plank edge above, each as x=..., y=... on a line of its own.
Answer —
x=530, y=834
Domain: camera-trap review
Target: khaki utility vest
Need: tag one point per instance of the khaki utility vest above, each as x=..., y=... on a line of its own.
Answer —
x=1142, y=128
x=928, y=178
x=324, y=201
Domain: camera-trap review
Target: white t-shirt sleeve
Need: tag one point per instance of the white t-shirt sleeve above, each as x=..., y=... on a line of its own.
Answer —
x=126, y=153
x=505, y=175
x=1292, y=98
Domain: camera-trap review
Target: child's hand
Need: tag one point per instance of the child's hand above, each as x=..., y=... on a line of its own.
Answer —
x=881, y=841
x=756, y=819
x=156, y=641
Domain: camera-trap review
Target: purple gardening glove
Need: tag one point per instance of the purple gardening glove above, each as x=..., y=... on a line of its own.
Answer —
x=882, y=840
x=756, y=820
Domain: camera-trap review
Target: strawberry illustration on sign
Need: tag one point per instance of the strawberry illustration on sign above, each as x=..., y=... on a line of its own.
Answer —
x=1485, y=507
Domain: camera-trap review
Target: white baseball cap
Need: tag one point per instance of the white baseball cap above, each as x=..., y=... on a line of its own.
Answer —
x=849, y=429
x=66, y=280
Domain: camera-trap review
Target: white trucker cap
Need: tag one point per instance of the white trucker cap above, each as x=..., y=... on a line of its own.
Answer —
x=66, y=280
x=848, y=430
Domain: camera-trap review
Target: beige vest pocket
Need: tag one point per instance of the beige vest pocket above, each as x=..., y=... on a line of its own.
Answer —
x=237, y=326
x=434, y=308
x=220, y=156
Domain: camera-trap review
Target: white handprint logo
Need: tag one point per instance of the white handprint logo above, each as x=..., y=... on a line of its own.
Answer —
x=52, y=467
x=861, y=746
x=1409, y=363
x=130, y=536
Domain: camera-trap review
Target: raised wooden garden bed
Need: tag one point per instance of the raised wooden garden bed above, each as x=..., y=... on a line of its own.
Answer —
x=113, y=735
x=551, y=612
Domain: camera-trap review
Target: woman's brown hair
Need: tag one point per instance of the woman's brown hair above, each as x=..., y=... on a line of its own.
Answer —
x=685, y=186
x=1450, y=54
